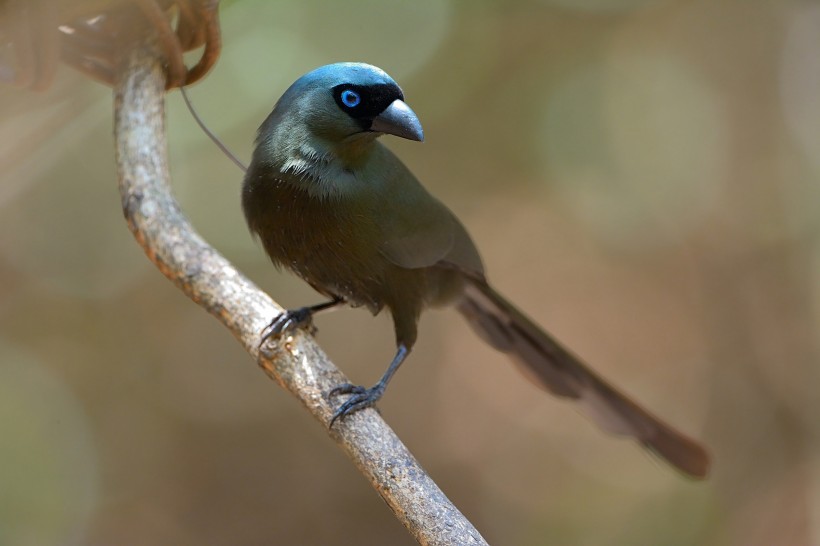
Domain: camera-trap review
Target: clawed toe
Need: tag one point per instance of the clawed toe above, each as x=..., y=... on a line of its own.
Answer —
x=360, y=399
x=347, y=388
x=288, y=321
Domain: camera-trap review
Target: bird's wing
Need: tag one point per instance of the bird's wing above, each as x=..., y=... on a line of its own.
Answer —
x=414, y=237
x=419, y=231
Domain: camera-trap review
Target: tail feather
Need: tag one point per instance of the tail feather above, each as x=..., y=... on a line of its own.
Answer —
x=504, y=327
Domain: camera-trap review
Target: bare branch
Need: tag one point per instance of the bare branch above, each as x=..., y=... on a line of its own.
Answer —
x=296, y=363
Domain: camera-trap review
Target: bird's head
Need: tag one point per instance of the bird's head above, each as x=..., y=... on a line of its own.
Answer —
x=344, y=101
x=324, y=126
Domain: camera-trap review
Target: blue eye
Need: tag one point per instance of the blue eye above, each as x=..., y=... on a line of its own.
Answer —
x=350, y=98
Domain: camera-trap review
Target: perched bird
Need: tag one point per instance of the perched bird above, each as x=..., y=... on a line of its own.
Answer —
x=330, y=203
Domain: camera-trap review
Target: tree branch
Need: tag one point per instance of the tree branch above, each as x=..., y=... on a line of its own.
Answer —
x=296, y=363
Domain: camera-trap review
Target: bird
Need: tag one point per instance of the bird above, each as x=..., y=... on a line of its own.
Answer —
x=330, y=203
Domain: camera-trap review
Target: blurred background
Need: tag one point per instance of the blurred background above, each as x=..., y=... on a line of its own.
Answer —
x=642, y=177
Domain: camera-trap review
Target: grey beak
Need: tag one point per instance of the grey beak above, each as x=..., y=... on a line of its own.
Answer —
x=398, y=119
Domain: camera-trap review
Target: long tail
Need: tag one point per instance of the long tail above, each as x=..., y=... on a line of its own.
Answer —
x=504, y=327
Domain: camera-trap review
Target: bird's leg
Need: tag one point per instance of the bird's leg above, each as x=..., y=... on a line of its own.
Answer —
x=296, y=318
x=362, y=397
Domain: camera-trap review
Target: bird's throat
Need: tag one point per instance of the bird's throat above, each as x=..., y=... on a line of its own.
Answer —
x=354, y=150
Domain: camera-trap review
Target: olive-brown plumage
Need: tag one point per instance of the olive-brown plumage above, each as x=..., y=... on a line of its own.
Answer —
x=333, y=205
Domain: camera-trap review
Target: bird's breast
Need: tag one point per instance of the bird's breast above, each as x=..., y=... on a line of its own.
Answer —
x=331, y=242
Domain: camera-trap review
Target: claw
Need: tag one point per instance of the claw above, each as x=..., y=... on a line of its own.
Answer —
x=346, y=388
x=361, y=398
x=364, y=398
x=287, y=322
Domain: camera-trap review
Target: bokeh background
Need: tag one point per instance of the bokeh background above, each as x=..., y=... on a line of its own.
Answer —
x=642, y=177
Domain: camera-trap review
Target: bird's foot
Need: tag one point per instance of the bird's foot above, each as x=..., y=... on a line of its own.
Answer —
x=361, y=398
x=289, y=321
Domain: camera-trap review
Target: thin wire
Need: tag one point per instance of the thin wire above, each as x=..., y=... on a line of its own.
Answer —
x=208, y=132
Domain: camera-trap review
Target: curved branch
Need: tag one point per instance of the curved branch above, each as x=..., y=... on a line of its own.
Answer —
x=296, y=363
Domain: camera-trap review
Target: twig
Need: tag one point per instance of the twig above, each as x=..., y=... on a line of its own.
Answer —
x=205, y=129
x=296, y=363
